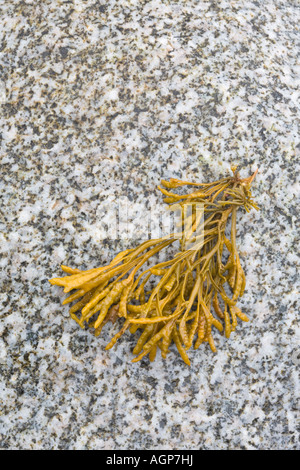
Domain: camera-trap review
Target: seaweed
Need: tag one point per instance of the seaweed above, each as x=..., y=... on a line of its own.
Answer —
x=196, y=290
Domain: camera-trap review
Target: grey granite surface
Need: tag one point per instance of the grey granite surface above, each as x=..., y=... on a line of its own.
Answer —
x=99, y=100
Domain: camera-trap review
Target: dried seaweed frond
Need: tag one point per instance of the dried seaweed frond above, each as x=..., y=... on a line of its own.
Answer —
x=190, y=297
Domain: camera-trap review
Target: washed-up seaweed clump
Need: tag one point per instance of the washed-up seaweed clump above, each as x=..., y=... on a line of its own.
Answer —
x=195, y=291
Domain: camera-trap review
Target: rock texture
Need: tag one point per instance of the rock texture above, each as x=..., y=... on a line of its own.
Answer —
x=99, y=100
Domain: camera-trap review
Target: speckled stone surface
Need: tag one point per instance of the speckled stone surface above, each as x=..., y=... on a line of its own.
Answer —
x=100, y=100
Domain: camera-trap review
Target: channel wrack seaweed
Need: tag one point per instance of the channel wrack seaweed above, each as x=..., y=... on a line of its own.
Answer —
x=196, y=290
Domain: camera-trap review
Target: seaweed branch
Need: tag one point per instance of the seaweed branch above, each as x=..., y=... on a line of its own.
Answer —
x=190, y=298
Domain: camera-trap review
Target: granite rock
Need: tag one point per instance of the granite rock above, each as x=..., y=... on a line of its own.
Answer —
x=98, y=101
